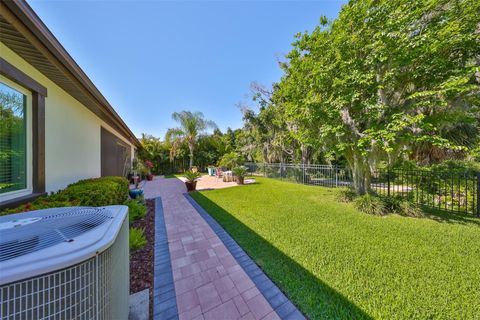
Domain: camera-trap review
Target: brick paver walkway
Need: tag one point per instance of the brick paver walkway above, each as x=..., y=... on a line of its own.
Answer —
x=209, y=182
x=208, y=281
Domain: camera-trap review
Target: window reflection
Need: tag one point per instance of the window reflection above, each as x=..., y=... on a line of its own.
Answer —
x=13, y=131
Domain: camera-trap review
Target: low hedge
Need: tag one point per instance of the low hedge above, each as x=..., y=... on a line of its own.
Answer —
x=95, y=192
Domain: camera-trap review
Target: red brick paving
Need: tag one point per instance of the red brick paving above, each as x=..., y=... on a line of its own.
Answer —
x=209, y=283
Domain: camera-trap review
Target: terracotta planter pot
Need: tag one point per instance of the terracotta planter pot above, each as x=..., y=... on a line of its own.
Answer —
x=240, y=180
x=150, y=177
x=191, y=185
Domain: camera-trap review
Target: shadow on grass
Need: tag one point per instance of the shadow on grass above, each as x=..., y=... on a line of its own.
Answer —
x=313, y=297
x=450, y=217
x=435, y=214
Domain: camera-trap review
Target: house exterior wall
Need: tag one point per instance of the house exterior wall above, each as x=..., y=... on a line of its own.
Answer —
x=72, y=132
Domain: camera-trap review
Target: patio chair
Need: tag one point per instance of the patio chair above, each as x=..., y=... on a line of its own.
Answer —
x=218, y=173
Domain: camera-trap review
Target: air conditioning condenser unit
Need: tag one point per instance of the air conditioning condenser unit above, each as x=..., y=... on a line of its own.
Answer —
x=65, y=263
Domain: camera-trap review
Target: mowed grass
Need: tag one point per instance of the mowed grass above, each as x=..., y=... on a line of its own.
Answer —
x=334, y=262
x=173, y=175
x=179, y=175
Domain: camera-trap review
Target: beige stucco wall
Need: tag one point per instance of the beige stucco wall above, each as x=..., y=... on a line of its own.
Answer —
x=72, y=132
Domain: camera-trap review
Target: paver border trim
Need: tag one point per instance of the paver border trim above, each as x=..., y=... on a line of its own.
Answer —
x=284, y=308
x=164, y=297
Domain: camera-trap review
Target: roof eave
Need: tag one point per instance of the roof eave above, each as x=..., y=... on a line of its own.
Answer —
x=33, y=23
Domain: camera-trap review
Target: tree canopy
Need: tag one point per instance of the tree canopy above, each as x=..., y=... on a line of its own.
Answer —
x=384, y=81
x=192, y=124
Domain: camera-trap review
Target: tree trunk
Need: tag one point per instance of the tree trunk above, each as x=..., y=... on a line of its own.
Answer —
x=190, y=147
x=361, y=174
x=305, y=154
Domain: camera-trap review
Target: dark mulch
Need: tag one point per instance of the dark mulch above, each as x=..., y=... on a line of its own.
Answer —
x=141, y=260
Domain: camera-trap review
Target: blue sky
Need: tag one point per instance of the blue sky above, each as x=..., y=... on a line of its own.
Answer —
x=151, y=58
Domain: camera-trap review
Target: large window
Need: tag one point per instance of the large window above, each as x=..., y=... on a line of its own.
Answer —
x=13, y=140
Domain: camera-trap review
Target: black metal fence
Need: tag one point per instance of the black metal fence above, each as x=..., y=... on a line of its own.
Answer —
x=176, y=166
x=449, y=190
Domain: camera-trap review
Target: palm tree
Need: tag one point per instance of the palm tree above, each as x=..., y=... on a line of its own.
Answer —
x=192, y=124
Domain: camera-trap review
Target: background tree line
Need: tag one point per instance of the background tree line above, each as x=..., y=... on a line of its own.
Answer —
x=385, y=83
x=190, y=145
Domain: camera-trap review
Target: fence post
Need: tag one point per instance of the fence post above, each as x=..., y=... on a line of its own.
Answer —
x=264, y=170
x=336, y=176
x=388, y=181
x=303, y=173
x=478, y=194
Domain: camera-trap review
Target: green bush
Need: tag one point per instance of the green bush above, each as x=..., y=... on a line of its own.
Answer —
x=191, y=176
x=409, y=209
x=345, y=194
x=136, y=239
x=370, y=204
x=95, y=192
x=401, y=206
x=136, y=210
x=393, y=203
x=240, y=171
x=462, y=166
x=230, y=160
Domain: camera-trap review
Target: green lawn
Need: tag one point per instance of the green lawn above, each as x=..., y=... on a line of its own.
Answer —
x=173, y=175
x=337, y=263
x=179, y=175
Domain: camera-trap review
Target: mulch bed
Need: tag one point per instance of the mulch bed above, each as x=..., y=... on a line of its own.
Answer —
x=141, y=260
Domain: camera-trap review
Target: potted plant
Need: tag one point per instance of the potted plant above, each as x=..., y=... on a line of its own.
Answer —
x=211, y=170
x=141, y=170
x=136, y=192
x=149, y=166
x=130, y=176
x=134, y=172
x=136, y=177
x=240, y=173
x=191, y=182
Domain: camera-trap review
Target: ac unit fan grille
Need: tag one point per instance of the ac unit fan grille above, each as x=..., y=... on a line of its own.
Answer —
x=50, y=230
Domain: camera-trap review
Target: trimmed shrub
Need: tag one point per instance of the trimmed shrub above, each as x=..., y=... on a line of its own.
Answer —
x=136, y=239
x=409, y=209
x=40, y=203
x=344, y=194
x=136, y=210
x=392, y=203
x=401, y=206
x=95, y=192
x=370, y=204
